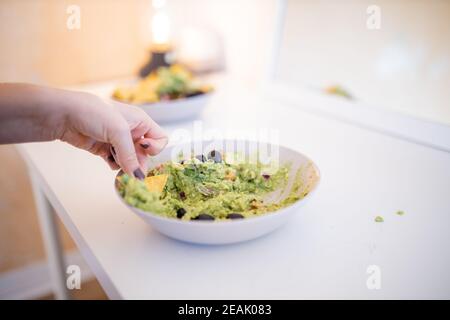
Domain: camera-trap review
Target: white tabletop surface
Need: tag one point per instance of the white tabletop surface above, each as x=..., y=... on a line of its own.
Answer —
x=323, y=253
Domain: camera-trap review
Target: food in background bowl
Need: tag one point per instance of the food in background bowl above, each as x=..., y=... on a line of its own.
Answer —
x=164, y=84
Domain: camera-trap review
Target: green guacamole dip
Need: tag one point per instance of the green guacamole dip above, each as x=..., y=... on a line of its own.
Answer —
x=209, y=188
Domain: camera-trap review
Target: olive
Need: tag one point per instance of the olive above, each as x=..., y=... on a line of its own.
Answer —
x=204, y=216
x=235, y=216
x=182, y=195
x=201, y=158
x=180, y=213
x=215, y=155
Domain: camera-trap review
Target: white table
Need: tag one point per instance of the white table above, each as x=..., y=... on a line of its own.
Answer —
x=323, y=253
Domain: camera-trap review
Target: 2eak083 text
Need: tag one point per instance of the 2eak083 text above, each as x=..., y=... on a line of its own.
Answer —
x=231, y=309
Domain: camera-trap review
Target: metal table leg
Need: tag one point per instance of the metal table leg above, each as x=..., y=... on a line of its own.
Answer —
x=50, y=234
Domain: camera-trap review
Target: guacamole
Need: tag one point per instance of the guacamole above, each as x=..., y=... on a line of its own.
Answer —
x=207, y=188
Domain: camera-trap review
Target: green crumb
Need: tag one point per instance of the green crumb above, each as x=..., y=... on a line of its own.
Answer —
x=339, y=91
x=379, y=219
x=400, y=213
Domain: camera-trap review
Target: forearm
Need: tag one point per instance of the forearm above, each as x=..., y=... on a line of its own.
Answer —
x=31, y=113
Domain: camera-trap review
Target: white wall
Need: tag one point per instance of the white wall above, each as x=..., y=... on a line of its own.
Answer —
x=404, y=66
x=246, y=28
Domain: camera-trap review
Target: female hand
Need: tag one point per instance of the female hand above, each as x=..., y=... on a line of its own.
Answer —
x=123, y=135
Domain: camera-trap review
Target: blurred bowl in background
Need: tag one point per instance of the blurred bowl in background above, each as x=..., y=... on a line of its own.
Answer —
x=178, y=109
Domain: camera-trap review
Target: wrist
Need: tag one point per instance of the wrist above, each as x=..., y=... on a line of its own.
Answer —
x=52, y=110
x=62, y=110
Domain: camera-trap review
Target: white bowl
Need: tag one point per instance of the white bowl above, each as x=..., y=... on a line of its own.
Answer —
x=232, y=231
x=174, y=110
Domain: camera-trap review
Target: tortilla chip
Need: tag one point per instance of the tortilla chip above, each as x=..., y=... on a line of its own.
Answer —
x=156, y=183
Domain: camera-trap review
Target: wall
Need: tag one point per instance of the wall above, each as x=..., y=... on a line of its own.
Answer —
x=38, y=47
x=246, y=28
x=403, y=66
x=115, y=34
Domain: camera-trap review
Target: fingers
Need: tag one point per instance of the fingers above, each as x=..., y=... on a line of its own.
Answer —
x=135, y=141
x=103, y=150
x=144, y=129
x=155, y=137
x=142, y=157
x=111, y=158
x=144, y=144
x=112, y=162
x=101, y=124
x=155, y=131
x=151, y=146
x=125, y=153
x=151, y=137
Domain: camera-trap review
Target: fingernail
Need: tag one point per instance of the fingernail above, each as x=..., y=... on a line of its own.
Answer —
x=139, y=174
x=144, y=145
x=113, y=154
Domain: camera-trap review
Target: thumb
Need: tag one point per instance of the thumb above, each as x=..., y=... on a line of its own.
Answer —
x=124, y=153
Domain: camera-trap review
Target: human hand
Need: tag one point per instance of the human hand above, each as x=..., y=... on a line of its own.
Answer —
x=123, y=135
x=35, y=113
